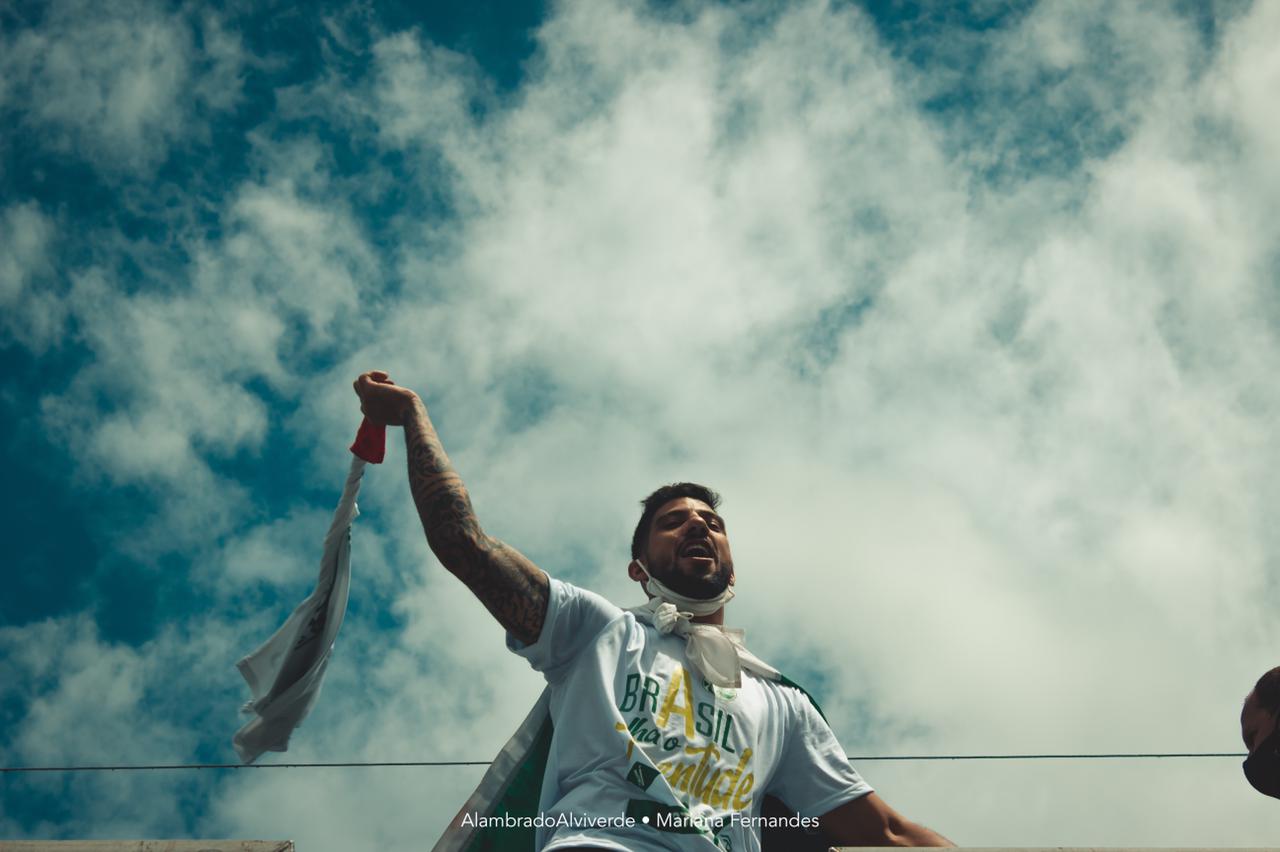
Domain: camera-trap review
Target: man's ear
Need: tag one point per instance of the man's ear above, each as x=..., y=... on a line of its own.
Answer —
x=635, y=572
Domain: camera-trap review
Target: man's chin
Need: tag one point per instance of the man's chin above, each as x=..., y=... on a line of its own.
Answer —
x=699, y=588
x=693, y=578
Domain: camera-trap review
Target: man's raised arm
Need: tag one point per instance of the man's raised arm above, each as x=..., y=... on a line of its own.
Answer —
x=506, y=582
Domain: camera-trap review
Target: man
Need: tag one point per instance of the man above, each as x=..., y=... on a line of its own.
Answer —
x=1261, y=735
x=668, y=732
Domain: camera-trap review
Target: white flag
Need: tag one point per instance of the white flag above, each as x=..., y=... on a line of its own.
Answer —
x=285, y=673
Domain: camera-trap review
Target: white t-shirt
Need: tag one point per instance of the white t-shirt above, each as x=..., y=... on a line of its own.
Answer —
x=640, y=735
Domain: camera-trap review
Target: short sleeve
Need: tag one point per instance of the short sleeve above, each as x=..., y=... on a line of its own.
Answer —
x=814, y=776
x=574, y=617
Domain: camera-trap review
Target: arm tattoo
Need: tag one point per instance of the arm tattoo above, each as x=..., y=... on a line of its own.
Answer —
x=510, y=586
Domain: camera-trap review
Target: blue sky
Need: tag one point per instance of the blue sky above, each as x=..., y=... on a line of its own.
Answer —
x=968, y=309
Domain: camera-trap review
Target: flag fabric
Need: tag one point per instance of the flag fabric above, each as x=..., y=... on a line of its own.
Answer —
x=512, y=785
x=285, y=673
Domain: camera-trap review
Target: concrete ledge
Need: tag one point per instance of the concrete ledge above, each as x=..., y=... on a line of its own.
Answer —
x=146, y=846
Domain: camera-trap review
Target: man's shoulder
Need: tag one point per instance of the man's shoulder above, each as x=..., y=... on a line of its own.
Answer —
x=575, y=619
x=571, y=591
x=787, y=690
x=586, y=605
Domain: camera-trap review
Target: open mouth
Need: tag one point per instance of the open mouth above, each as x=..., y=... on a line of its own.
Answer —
x=697, y=550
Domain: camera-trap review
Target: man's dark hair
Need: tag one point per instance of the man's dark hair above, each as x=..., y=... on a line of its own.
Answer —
x=660, y=498
x=1267, y=691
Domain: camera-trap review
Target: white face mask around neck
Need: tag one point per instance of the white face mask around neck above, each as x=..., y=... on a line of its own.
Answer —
x=697, y=606
x=718, y=654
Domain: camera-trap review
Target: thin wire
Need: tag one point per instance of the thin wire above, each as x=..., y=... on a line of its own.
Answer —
x=130, y=768
x=1123, y=756
x=862, y=757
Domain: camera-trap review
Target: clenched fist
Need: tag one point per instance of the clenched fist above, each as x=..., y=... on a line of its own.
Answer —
x=382, y=400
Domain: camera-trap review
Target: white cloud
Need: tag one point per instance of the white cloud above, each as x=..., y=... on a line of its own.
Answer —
x=33, y=315
x=280, y=288
x=26, y=249
x=282, y=551
x=92, y=702
x=118, y=85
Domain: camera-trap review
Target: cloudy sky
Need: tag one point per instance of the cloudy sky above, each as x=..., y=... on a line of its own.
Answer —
x=969, y=310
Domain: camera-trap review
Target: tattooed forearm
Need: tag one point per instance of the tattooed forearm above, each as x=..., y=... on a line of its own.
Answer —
x=506, y=582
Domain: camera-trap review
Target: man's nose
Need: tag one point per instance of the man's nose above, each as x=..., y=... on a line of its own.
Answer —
x=697, y=525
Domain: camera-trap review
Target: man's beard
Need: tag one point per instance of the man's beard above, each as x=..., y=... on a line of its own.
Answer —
x=701, y=588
